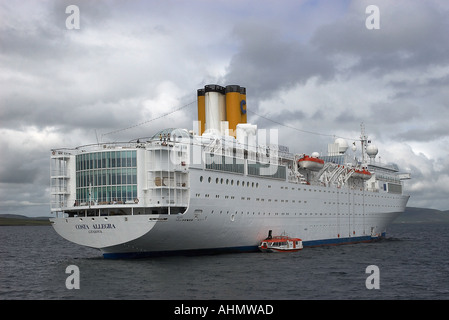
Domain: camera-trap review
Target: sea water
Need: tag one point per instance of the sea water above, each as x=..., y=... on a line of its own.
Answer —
x=412, y=262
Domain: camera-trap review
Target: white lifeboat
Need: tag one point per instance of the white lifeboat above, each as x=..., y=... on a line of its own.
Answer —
x=311, y=163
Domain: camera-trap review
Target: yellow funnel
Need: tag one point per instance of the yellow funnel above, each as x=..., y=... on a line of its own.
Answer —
x=201, y=110
x=233, y=113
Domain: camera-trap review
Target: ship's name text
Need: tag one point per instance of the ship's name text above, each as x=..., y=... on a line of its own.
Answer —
x=95, y=226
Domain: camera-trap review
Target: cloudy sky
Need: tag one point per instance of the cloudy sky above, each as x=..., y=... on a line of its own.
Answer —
x=309, y=65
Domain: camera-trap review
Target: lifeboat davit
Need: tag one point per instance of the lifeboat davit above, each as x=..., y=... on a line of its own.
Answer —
x=311, y=163
x=361, y=174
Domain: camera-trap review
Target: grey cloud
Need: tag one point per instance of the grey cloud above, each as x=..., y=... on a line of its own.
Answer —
x=267, y=63
x=409, y=36
x=20, y=165
x=427, y=132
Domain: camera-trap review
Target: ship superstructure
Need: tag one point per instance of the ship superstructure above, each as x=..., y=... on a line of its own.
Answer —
x=223, y=186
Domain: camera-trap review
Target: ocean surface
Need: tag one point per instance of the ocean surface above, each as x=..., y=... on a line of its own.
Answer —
x=413, y=263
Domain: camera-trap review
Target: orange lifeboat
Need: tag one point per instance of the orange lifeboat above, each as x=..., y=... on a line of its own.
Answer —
x=311, y=163
x=281, y=244
x=361, y=174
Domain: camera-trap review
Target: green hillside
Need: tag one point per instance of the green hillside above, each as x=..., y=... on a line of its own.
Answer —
x=18, y=220
x=423, y=215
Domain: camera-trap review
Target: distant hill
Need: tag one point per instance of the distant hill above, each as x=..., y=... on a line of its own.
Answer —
x=423, y=215
x=18, y=220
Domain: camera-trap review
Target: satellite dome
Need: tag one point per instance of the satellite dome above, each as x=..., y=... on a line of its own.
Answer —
x=315, y=154
x=372, y=151
x=342, y=145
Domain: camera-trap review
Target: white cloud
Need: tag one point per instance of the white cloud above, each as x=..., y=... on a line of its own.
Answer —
x=308, y=64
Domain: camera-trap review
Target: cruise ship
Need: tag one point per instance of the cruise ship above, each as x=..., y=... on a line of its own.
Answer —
x=223, y=186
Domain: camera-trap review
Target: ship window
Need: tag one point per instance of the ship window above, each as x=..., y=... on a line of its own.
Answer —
x=106, y=177
x=201, y=179
x=209, y=179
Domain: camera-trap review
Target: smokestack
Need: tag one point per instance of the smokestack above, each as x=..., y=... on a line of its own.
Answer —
x=215, y=106
x=201, y=111
x=233, y=112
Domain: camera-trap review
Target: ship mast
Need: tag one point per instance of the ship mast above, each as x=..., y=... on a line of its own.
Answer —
x=363, y=141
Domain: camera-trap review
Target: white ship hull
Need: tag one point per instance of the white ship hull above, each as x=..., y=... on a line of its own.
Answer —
x=319, y=215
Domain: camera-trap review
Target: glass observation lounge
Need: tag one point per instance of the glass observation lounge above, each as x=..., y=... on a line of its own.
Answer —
x=106, y=177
